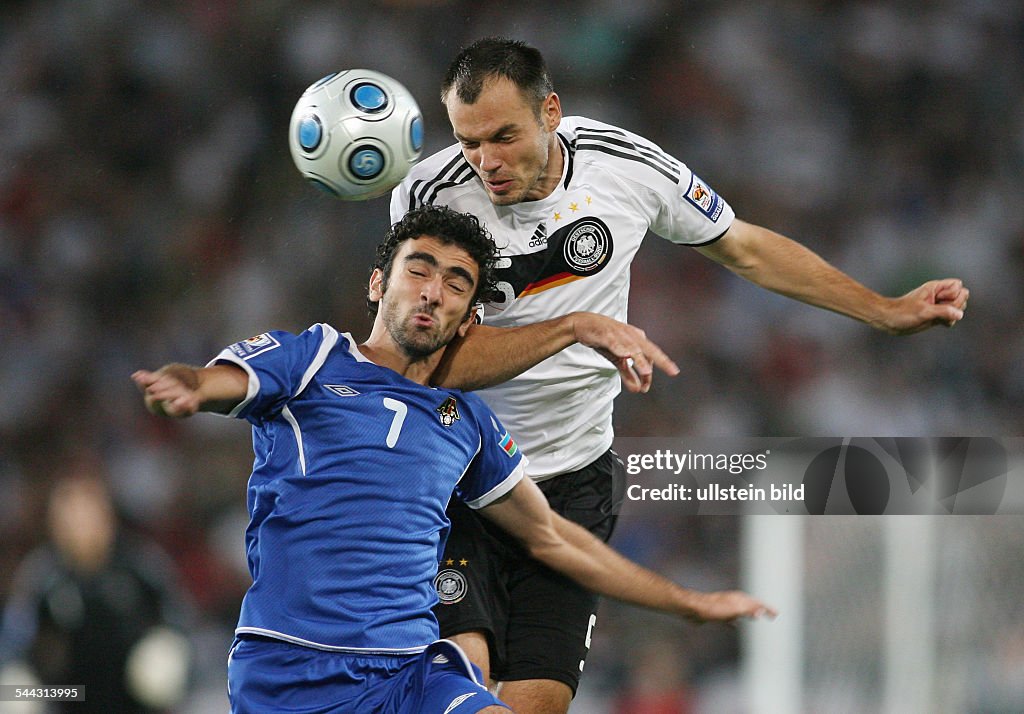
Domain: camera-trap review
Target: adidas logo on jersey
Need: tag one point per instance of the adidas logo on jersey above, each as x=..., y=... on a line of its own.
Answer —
x=540, y=236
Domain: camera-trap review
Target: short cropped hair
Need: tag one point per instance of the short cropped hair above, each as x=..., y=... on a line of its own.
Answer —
x=451, y=228
x=495, y=57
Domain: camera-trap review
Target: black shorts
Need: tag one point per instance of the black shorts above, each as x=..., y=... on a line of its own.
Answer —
x=538, y=623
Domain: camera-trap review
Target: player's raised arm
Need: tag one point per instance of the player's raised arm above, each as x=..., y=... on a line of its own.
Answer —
x=573, y=551
x=179, y=390
x=784, y=266
x=491, y=355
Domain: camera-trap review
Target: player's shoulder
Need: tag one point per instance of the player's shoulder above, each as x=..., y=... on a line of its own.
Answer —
x=322, y=332
x=582, y=128
x=439, y=178
x=435, y=163
x=446, y=165
x=617, y=150
x=471, y=405
x=319, y=337
x=469, y=400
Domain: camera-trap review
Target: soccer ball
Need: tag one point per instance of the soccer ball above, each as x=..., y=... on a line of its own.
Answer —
x=355, y=134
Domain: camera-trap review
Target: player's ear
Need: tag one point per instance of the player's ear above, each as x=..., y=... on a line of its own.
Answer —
x=551, y=111
x=376, y=289
x=470, y=319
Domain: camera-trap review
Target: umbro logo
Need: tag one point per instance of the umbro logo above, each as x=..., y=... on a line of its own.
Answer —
x=457, y=701
x=342, y=390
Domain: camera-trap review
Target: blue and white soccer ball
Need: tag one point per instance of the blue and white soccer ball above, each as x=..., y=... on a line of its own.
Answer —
x=355, y=134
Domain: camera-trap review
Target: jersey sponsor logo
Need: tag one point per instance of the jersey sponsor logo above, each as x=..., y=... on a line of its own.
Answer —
x=704, y=198
x=451, y=586
x=457, y=701
x=448, y=412
x=342, y=390
x=508, y=444
x=255, y=345
x=575, y=251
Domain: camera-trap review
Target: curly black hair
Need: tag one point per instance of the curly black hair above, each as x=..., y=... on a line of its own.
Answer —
x=451, y=228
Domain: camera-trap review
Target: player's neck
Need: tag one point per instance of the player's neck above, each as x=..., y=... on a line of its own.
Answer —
x=383, y=352
x=552, y=173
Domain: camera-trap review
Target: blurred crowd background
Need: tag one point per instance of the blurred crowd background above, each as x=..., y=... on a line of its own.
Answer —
x=149, y=212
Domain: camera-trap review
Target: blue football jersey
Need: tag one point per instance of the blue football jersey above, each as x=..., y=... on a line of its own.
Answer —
x=354, y=466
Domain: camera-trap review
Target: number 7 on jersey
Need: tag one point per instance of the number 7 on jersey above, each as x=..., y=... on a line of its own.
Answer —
x=400, y=409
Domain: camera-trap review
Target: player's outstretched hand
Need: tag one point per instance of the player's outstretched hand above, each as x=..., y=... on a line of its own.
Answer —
x=626, y=347
x=729, y=606
x=171, y=391
x=937, y=302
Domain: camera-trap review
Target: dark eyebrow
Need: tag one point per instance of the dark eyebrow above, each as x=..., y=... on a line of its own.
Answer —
x=462, y=273
x=455, y=270
x=500, y=132
x=420, y=255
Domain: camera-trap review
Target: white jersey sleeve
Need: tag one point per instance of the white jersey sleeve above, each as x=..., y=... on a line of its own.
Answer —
x=681, y=206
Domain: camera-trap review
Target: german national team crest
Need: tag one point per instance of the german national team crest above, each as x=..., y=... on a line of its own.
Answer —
x=587, y=246
x=449, y=411
x=451, y=586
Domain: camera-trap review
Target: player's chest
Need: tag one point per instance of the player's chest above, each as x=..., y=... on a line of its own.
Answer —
x=369, y=415
x=589, y=221
x=586, y=238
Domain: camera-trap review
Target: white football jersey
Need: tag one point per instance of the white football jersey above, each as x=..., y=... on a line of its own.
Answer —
x=567, y=252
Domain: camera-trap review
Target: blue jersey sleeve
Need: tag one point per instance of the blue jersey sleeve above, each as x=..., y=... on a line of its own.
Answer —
x=497, y=467
x=279, y=365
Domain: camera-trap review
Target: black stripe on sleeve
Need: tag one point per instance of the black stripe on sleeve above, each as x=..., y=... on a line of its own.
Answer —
x=465, y=173
x=709, y=241
x=674, y=178
x=645, y=154
x=420, y=189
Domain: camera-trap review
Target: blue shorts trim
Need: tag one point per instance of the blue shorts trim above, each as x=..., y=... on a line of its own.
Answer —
x=271, y=675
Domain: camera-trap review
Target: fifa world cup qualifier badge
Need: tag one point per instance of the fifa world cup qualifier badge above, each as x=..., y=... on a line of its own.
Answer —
x=255, y=345
x=704, y=198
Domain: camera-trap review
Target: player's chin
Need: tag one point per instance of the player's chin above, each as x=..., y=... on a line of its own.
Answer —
x=424, y=341
x=504, y=197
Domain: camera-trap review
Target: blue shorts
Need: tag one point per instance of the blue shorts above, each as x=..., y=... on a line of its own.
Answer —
x=266, y=675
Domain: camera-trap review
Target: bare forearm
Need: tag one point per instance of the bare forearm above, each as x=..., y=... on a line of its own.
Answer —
x=784, y=266
x=221, y=387
x=491, y=355
x=181, y=390
x=574, y=552
x=601, y=569
x=779, y=264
